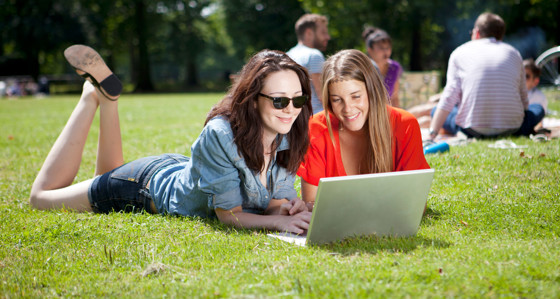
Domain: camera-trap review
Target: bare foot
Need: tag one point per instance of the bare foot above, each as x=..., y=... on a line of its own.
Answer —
x=90, y=94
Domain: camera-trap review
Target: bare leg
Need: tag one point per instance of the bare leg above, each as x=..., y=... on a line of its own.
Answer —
x=109, y=146
x=424, y=121
x=422, y=109
x=52, y=188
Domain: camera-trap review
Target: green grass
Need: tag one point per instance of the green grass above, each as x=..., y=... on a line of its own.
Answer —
x=491, y=230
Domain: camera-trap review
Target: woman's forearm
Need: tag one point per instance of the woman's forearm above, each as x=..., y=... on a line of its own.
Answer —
x=291, y=223
x=274, y=206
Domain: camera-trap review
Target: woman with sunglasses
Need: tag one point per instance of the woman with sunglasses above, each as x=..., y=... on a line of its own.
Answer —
x=358, y=132
x=243, y=163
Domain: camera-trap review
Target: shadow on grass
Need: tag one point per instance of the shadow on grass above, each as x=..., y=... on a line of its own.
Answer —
x=215, y=225
x=430, y=217
x=366, y=244
x=375, y=245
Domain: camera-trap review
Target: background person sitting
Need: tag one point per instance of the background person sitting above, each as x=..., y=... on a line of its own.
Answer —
x=379, y=49
x=532, y=79
x=485, y=94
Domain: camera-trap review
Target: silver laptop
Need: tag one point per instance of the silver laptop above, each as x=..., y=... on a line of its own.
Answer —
x=382, y=204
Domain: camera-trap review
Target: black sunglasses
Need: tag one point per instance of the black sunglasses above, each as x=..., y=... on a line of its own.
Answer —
x=282, y=102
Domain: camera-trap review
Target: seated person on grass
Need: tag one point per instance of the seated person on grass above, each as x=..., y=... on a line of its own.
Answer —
x=359, y=132
x=379, y=48
x=485, y=94
x=243, y=164
x=532, y=79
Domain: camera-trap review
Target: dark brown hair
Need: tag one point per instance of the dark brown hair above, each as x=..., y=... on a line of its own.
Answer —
x=372, y=35
x=239, y=107
x=532, y=66
x=490, y=25
x=308, y=21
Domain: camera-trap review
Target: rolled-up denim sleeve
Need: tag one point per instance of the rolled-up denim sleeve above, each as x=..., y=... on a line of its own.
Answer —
x=214, y=154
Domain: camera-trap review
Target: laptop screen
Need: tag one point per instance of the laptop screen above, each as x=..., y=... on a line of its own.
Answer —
x=384, y=204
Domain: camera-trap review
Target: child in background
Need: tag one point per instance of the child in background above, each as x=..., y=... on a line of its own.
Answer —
x=379, y=49
x=532, y=79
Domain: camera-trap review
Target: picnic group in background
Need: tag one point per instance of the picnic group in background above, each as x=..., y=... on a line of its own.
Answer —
x=13, y=87
x=486, y=93
x=263, y=132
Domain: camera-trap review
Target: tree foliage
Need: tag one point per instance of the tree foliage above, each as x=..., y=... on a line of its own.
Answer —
x=425, y=32
x=32, y=27
x=150, y=43
x=254, y=25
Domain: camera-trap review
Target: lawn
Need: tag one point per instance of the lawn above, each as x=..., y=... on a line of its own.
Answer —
x=491, y=229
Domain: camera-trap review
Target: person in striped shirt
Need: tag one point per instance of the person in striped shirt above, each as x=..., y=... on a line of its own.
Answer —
x=485, y=94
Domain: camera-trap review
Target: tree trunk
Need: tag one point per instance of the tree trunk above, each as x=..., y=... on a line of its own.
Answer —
x=557, y=41
x=32, y=62
x=416, y=51
x=133, y=60
x=192, y=78
x=143, y=75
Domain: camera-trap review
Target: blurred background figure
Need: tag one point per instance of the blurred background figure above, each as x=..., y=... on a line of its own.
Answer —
x=379, y=49
x=43, y=87
x=532, y=79
x=485, y=94
x=2, y=88
x=313, y=37
x=13, y=89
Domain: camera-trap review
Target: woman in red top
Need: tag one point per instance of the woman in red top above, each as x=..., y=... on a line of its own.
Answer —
x=358, y=133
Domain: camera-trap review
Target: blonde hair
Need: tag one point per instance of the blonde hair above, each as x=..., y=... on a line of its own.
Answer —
x=355, y=65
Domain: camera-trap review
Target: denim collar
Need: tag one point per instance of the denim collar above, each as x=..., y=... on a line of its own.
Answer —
x=284, y=144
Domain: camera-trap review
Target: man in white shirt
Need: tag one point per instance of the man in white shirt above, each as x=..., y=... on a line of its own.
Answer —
x=313, y=37
x=485, y=94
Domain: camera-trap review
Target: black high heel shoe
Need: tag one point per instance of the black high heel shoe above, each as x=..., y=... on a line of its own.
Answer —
x=89, y=64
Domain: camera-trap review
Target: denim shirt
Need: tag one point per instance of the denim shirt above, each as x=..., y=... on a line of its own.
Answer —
x=217, y=177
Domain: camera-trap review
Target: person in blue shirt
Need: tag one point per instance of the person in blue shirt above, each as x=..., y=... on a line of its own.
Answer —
x=243, y=164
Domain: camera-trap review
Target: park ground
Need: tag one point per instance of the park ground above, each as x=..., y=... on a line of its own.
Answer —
x=491, y=229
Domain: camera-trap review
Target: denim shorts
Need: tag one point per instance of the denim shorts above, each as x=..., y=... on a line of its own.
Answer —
x=124, y=188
